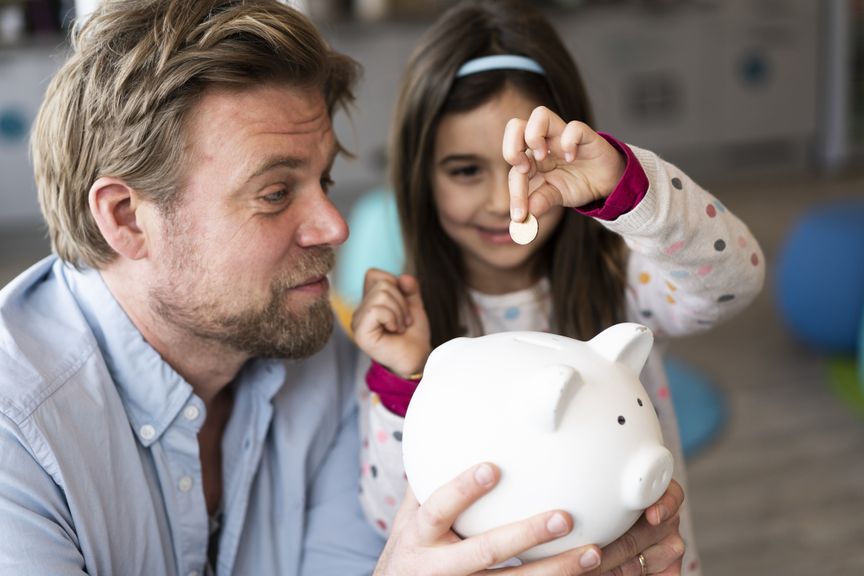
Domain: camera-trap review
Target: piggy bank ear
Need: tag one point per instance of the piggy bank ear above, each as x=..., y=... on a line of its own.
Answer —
x=550, y=394
x=626, y=343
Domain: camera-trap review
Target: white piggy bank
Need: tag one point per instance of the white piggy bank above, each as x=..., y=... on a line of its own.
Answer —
x=567, y=422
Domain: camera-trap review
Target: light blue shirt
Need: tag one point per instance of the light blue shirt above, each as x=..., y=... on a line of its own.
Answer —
x=99, y=465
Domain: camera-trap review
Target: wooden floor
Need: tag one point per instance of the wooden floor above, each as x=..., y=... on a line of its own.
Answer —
x=781, y=489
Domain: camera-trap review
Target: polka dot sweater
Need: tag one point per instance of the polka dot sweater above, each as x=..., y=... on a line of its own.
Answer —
x=692, y=264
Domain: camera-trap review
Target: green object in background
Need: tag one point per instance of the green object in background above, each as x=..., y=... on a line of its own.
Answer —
x=847, y=382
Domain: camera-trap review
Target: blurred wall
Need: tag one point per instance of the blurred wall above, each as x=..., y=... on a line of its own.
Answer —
x=720, y=87
x=723, y=88
x=24, y=73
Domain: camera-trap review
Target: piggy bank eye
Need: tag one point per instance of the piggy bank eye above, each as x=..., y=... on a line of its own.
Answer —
x=621, y=420
x=639, y=401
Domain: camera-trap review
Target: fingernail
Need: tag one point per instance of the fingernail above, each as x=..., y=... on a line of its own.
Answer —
x=568, y=156
x=484, y=475
x=524, y=168
x=590, y=559
x=662, y=514
x=556, y=524
x=517, y=215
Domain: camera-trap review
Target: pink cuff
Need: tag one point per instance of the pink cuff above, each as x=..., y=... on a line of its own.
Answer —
x=627, y=194
x=395, y=392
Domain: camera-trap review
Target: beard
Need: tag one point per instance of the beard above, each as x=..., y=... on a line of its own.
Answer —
x=272, y=329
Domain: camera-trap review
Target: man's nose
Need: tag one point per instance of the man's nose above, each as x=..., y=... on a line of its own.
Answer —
x=323, y=224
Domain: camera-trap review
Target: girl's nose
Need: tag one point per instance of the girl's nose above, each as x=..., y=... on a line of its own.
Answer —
x=498, y=201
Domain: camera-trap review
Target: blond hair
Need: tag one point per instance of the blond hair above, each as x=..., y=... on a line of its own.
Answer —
x=119, y=105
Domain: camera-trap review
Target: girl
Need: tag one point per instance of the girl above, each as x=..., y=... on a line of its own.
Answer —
x=622, y=234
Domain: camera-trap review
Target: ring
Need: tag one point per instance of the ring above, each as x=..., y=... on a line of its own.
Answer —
x=642, y=564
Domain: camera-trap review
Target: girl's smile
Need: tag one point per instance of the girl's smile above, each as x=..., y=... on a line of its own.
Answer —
x=470, y=185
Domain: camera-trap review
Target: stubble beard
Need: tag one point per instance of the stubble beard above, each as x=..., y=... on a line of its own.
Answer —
x=275, y=329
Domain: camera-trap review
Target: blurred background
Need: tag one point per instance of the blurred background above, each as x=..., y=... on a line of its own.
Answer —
x=761, y=101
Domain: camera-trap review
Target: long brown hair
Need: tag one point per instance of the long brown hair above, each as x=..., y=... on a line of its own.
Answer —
x=584, y=262
x=119, y=105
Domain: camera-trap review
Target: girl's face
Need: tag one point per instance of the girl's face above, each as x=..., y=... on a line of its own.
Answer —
x=472, y=197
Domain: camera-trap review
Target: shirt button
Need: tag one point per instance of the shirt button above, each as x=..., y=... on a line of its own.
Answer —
x=191, y=412
x=185, y=483
x=147, y=432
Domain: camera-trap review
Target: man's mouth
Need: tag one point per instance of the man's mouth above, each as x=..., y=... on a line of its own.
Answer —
x=317, y=284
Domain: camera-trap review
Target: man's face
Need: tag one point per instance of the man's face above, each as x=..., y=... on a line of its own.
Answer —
x=242, y=260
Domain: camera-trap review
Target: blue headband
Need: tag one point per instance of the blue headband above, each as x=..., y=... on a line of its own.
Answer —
x=499, y=62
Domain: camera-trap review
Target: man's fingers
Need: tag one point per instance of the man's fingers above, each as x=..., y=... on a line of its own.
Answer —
x=575, y=562
x=502, y=543
x=439, y=512
x=667, y=506
x=657, y=527
x=665, y=556
x=491, y=548
x=640, y=537
x=662, y=559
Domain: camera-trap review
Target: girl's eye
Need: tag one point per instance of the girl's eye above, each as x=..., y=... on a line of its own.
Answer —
x=467, y=171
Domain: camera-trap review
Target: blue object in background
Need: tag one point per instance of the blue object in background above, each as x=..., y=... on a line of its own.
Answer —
x=375, y=241
x=820, y=277
x=699, y=405
x=13, y=125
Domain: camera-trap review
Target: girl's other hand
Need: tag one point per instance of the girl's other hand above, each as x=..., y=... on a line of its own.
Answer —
x=557, y=163
x=390, y=325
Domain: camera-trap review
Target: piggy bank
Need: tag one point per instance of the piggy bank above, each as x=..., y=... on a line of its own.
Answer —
x=568, y=423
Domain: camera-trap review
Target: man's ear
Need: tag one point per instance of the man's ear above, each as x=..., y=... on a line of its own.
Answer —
x=115, y=206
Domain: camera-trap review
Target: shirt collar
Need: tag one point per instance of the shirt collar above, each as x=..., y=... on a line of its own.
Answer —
x=151, y=391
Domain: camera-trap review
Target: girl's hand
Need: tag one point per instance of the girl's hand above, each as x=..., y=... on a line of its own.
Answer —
x=557, y=163
x=390, y=325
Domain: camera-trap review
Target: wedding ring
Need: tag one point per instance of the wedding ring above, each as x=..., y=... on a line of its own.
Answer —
x=642, y=564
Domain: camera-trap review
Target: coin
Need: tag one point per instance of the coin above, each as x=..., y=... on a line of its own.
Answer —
x=524, y=232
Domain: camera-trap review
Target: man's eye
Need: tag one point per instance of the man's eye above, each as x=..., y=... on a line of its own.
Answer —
x=276, y=197
x=327, y=183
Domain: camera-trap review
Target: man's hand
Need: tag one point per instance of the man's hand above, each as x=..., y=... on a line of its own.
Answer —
x=655, y=535
x=423, y=542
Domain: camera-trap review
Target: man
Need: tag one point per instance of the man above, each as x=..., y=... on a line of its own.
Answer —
x=171, y=399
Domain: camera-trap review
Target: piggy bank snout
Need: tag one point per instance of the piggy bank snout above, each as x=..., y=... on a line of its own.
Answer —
x=647, y=477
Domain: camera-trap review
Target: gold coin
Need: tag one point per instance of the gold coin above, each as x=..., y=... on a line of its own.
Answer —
x=524, y=232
